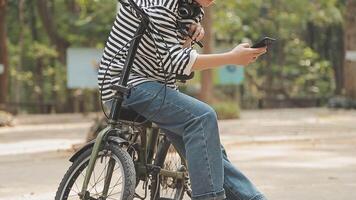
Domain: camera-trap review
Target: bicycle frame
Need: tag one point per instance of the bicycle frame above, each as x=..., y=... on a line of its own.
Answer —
x=148, y=141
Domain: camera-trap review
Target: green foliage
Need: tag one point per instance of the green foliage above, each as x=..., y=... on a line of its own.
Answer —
x=298, y=65
x=308, y=75
x=36, y=74
x=88, y=24
x=227, y=110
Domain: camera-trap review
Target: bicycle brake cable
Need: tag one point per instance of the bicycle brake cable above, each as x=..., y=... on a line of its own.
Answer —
x=165, y=81
x=106, y=70
x=164, y=71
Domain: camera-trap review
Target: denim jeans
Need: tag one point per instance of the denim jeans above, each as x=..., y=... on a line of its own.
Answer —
x=191, y=126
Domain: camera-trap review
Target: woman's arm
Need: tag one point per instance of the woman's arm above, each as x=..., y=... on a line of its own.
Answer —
x=242, y=54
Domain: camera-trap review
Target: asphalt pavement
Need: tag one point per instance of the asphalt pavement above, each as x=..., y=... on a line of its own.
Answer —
x=290, y=154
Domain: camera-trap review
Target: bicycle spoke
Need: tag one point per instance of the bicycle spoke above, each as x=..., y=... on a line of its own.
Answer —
x=110, y=198
x=84, y=177
x=94, y=182
x=114, y=193
x=73, y=195
x=107, y=177
x=117, y=182
x=76, y=187
x=114, y=186
x=99, y=177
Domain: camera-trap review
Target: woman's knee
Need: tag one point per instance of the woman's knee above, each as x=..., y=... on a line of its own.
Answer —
x=203, y=115
x=210, y=113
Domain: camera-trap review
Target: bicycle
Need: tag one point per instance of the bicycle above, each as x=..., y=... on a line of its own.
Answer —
x=137, y=152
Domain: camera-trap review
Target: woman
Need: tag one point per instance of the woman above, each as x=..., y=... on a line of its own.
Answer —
x=163, y=55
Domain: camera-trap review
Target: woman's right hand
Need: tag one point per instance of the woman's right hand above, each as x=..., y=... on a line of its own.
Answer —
x=243, y=54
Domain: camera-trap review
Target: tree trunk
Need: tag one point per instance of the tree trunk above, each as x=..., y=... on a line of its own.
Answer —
x=49, y=25
x=60, y=43
x=3, y=53
x=350, y=47
x=337, y=54
x=40, y=84
x=72, y=6
x=206, y=93
x=17, y=83
x=38, y=71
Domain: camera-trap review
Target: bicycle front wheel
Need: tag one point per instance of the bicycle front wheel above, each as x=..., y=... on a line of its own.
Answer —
x=120, y=176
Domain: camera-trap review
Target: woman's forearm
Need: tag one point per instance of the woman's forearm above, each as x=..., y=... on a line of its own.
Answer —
x=242, y=54
x=208, y=61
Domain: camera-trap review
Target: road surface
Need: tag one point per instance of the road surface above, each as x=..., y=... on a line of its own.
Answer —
x=290, y=154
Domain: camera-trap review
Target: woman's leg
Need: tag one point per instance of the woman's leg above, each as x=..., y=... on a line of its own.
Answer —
x=236, y=185
x=196, y=123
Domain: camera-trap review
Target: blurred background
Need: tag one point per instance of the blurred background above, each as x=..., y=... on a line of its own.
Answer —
x=291, y=113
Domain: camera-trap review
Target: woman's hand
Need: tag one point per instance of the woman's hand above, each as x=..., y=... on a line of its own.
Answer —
x=197, y=32
x=242, y=54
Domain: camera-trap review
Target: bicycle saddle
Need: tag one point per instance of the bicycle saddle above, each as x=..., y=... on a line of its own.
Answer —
x=127, y=114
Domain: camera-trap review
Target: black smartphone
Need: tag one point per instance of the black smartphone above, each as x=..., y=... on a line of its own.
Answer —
x=263, y=42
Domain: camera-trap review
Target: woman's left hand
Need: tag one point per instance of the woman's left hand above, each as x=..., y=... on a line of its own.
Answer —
x=197, y=32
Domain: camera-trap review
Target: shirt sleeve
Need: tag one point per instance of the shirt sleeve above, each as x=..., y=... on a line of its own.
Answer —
x=163, y=31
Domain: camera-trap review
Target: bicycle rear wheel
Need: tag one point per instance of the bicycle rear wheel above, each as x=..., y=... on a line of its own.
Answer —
x=169, y=188
x=121, y=185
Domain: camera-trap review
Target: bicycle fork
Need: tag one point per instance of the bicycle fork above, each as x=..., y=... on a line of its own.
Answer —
x=84, y=194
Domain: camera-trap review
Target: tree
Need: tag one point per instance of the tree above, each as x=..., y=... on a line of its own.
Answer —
x=52, y=32
x=17, y=84
x=302, y=63
x=350, y=45
x=3, y=53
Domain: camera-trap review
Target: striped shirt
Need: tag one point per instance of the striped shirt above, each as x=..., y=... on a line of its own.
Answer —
x=155, y=59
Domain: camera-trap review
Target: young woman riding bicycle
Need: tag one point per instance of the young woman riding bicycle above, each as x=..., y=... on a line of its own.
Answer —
x=163, y=56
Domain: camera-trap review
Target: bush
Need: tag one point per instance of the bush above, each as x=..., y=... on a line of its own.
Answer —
x=227, y=110
x=341, y=102
x=5, y=119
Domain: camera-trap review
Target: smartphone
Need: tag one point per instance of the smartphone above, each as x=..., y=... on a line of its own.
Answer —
x=263, y=42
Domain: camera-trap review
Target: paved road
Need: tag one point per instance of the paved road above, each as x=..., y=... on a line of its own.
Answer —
x=289, y=154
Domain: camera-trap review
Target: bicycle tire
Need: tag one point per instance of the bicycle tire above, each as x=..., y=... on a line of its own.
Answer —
x=78, y=166
x=164, y=147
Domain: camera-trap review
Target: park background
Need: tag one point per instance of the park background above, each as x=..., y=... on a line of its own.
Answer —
x=286, y=101
x=305, y=67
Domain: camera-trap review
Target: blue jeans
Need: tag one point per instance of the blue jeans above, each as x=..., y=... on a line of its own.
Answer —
x=191, y=126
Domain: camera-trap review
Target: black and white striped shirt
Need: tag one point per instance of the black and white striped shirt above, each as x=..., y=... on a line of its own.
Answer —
x=155, y=59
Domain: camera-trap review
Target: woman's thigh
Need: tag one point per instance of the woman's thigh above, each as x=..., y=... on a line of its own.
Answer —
x=165, y=106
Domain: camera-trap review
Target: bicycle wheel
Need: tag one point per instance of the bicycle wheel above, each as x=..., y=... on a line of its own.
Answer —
x=121, y=185
x=169, y=188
